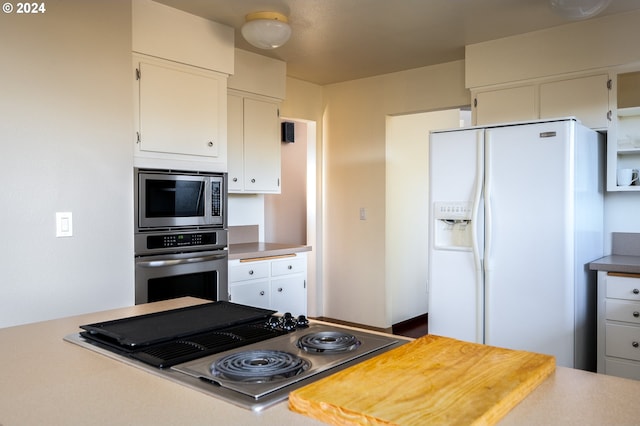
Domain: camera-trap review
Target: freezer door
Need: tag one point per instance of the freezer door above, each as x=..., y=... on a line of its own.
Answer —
x=529, y=286
x=455, y=272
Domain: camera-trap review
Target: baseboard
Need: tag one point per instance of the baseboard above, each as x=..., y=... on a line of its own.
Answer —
x=353, y=324
x=411, y=323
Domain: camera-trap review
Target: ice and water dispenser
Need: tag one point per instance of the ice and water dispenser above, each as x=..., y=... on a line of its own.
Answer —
x=452, y=225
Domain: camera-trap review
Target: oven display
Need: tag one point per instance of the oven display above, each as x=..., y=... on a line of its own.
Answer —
x=180, y=240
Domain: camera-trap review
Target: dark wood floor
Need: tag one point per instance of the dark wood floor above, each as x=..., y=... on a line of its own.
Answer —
x=414, y=327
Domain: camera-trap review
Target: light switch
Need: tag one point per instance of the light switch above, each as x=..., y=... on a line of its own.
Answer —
x=363, y=213
x=64, y=224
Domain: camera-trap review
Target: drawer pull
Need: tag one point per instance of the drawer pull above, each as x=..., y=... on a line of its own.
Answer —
x=290, y=267
x=262, y=293
x=635, y=344
x=280, y=289
x=636, y=314
x=251, y=272
x=636, y=291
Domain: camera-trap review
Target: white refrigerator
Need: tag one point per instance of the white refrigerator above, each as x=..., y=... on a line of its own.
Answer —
x=517, y=215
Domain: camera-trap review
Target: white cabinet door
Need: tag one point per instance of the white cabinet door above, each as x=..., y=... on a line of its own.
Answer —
x=289, y=295
x=254, y=145
x=586, y=98
x=235, y=143
x=506, y=105
x=181, y=109
x=251, y=293
x=261, y=146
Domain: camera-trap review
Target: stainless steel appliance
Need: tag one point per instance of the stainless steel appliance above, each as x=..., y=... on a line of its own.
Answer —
x=177, y=199
x=180, y=235
x=243, y=355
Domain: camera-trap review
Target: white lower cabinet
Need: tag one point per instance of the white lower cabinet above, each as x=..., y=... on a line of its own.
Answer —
x=619, y=324
x=277, y=283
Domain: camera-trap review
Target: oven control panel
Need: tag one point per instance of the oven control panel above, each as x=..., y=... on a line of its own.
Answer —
x=181, y=240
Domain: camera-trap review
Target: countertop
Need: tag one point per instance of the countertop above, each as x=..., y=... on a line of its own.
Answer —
x=617, y=263
x=46, y=380
x=258, y=250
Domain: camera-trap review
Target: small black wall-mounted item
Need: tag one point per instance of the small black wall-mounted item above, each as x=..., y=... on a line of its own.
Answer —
x=288, y=134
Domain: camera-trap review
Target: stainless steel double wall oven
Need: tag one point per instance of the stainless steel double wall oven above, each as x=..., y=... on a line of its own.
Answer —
x=180, y=235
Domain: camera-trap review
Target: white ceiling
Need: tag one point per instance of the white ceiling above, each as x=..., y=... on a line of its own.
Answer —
x=340, y=40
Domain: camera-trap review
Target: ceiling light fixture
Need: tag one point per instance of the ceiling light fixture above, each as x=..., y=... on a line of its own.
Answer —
x=266, y=30
x=578, y=9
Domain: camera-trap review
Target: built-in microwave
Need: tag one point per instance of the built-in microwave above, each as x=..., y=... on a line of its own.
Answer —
x=175, y=199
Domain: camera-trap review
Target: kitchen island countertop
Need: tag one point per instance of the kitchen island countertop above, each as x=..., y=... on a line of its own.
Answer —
x=46, y=380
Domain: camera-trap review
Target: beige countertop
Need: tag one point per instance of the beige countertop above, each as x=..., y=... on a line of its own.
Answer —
x=617, y=263
x=258, y=250
x=46, y=380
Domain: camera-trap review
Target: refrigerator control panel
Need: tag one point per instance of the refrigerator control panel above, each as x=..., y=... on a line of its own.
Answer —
x=452, y=210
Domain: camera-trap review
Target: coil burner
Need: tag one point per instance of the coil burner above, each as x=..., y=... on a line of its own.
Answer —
x=328, y=342
x=259, y=366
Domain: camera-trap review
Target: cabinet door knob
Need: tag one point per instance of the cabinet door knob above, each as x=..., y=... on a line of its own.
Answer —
x=280, y=289
x=251, y=272
x=235, y=179
x=210, y=144
x=636, y=291
x=262, y=293
x=253, y=181
x=636, y=314
x=635, y=344
x=290, y=267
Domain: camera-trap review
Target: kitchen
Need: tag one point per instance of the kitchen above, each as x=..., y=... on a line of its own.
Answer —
x=47, y=152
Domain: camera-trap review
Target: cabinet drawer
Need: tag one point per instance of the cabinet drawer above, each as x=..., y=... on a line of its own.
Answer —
x=248, y=271
x=620, y=287
x=293, y=265
x=622, y=310
x=622, y=368
x=620, y=341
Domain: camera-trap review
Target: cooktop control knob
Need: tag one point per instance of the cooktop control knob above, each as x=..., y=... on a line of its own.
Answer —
x=303, y=321
x=273, y=322
x=289, y=324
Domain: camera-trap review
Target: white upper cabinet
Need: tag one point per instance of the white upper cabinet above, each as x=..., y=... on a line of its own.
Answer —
x=506, y=105
x=586, y=98
x=623, y=146
x=583, y=97
x=255, y=92
x=181, y=64
x=165, y=32
x=254, y=145
x=181, y=110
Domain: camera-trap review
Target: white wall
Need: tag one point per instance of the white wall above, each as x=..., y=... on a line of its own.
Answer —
x=247, y=209
x=407, y=208
x=66, y=145
x=285, y=214
x=354, y=273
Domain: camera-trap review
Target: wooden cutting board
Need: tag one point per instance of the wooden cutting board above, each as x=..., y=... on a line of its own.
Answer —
x=430, y=381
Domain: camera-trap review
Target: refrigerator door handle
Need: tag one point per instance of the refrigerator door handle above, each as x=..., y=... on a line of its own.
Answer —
x=488, y=233
x=487, y=202
x=477, y=228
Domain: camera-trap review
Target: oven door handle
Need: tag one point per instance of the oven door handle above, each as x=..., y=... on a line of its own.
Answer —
x=173, y=262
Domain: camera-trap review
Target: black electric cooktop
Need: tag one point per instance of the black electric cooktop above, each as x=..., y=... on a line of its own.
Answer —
x=167, y=338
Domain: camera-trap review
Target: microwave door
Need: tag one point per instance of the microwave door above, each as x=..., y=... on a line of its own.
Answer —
x=172, y=201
